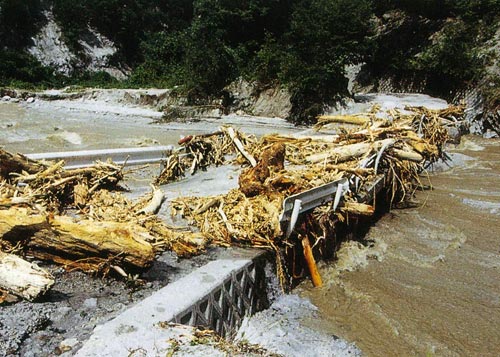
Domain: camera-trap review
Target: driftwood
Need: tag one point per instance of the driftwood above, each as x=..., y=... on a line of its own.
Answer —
x=17, y=163
x=22, y=278
x=155, y=204
x=251, y=181
x=237, y=142
x=311, y=263
x=85, y=244
x=357, y=208
x=347, y=119
x=408, y=155
x=349, y=152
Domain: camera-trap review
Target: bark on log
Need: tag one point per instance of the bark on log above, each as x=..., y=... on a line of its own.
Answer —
x=22, y=278
x=82, y=244
x=17, y=163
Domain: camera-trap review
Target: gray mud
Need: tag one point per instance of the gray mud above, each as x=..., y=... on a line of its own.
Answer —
x=78, y=302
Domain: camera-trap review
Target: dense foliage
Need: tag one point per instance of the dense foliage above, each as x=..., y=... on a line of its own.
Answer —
x=437, y=43
x=305, y=45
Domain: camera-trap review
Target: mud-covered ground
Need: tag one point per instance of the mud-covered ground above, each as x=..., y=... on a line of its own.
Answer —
x=77, y=302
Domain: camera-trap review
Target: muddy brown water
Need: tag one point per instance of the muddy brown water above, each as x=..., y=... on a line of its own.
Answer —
x=426, y=281
x=429, y=281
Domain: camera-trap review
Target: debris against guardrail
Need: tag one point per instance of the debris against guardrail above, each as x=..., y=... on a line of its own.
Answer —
x=77, y=217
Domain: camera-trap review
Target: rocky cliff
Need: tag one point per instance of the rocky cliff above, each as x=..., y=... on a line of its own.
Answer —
x=50, y=49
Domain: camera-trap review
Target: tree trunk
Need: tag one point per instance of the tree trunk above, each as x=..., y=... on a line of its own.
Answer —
x=349, y=152
x=17, y=163
x=85, y=244
x=22, y=278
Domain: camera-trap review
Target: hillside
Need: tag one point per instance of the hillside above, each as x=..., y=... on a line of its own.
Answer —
x=441, y=47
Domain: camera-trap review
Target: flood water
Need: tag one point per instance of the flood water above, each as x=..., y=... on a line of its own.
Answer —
x=76, y=125
x=40, y=128
x=429, y=281
x=426, y=281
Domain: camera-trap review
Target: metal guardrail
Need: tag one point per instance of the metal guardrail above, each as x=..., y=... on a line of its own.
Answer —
x=85, y=158
x=333, y=191
x=310, y=199
x=369, y=192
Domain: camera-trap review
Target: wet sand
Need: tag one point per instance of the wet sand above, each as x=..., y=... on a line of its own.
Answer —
x=430, y=283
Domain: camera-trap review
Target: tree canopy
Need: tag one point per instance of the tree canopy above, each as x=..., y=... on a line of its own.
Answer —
x=305, y=45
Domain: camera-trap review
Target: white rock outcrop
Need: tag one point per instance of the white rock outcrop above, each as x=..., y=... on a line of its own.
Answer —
x=50, y=50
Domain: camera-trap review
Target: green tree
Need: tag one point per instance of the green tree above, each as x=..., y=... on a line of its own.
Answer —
x=324, y=37
x=19, y=21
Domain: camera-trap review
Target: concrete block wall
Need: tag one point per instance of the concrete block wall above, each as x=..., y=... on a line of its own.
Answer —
x=217, y=295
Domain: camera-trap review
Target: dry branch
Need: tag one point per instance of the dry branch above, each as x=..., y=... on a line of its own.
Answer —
x=156, y=201
x=237, y=142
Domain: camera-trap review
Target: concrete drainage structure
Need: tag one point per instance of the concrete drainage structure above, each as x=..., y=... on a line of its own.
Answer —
x=217, y=296
x=222, y=310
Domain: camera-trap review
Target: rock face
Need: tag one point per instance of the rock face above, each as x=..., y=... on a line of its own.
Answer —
x=98, y=50
x=50, y=50
x=483, y=114
x=247, y=97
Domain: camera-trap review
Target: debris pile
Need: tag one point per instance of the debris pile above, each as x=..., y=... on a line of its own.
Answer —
x=201, y=151
x=398, y=147
x=80, y=219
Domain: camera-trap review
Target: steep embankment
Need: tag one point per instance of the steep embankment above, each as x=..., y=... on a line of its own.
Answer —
x=283, y=50
x=452, y=53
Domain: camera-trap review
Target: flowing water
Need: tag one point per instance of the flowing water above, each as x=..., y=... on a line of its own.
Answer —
x=427, y=280
x=84, y=125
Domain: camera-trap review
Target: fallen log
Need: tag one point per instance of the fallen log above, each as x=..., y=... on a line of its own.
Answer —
x=17, y=163
x=86, y=245
x=22, y=278
x=347, y=119
x=349, y=152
